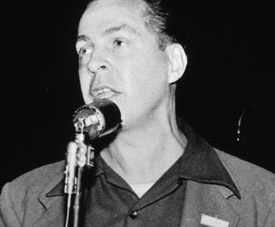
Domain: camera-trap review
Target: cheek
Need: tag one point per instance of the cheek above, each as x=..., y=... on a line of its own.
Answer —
x=151, y=75
x=82, y=79
x=84, y=85
x=147, y=84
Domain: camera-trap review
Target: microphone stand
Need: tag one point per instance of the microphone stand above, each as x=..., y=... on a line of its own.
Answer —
x=79, y=155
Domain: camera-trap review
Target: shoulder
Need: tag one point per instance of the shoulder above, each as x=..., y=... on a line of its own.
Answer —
x=22, y=193
x=246, y=173
x=256, y=185
x=33, y=182
x=39, y=175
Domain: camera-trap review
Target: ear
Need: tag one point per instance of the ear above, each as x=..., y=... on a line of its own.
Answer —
x=177, y=62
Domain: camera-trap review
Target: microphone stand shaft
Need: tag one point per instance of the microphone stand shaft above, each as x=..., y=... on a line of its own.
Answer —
x=77, y=198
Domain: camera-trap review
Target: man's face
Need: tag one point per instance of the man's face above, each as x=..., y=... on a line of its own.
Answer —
x=119, y=59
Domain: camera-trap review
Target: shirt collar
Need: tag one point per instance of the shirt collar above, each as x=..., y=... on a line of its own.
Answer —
x=199, y=162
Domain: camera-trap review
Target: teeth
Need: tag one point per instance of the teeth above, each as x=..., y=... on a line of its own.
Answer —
x=104, y=93
x=100, y=91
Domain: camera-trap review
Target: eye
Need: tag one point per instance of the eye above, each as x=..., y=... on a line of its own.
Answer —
x=86, y=50
x=119, y=42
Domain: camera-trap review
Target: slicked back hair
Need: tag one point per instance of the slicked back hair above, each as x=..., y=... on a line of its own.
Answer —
x=163, y=19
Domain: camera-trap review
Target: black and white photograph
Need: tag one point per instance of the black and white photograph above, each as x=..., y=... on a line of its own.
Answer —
x=137, y=113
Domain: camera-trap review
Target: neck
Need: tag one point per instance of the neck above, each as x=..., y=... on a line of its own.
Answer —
x=143, y=154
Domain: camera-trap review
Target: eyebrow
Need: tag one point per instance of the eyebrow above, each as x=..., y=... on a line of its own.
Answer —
x=121, y=28
x=111, y=31
x=82, y=38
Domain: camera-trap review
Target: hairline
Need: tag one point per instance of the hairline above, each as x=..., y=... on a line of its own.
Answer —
x=162, y=37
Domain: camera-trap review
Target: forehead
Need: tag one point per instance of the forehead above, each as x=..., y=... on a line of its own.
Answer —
x=124, y=3
x=103, y=14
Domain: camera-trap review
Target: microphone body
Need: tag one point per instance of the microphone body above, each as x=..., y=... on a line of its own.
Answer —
x=97, y=119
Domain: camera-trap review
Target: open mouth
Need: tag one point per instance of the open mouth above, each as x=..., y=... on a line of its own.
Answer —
x=104, y=93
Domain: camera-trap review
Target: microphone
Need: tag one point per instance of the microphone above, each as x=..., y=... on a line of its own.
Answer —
x=97, y=119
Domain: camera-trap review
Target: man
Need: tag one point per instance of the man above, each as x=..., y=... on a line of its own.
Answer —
x=155, y=171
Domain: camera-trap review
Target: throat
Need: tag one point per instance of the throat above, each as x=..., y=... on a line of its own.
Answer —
x=144, y=163
x=141, y=189
x=143, y=156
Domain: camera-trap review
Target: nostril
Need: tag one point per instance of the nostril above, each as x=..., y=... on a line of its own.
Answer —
x=94, y=72
x=103, y=67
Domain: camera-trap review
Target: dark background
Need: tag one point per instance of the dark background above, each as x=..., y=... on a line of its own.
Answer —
x=229, y=75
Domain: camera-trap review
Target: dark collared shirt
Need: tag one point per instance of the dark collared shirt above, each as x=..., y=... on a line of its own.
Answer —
x=110, y=201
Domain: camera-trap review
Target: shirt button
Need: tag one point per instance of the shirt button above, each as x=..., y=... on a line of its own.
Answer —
x=134, y=214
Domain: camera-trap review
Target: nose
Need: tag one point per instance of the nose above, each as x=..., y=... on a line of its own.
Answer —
x=98, y=62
